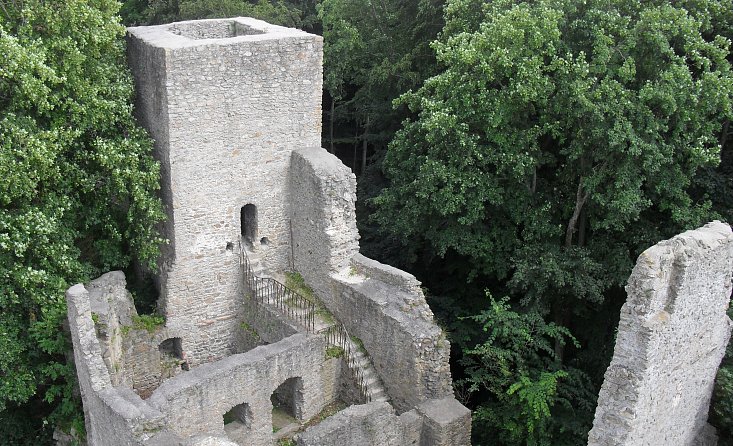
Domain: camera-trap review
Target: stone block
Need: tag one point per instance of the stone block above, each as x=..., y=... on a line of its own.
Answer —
x=445, y=422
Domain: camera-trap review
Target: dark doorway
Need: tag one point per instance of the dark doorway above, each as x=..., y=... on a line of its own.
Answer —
x=238, y=423
x=248, y=217
x=288, y=398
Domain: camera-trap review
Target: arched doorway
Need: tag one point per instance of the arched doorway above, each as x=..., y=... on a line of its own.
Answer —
x=287, y=404
x=248, y=219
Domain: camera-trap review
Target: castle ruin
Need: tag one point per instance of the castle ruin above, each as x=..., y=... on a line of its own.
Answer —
x=671, y=338
x=234, y=107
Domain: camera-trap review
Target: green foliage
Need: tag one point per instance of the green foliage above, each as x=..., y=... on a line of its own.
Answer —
x=517, y=366
x=147, y=322
x=291, y=13
x=333, y=351
x=373, y=52
x=359, y=343
x=296, y=282
x=249, y=329
x=552, y=133
x=559, y=140
x=77, y=188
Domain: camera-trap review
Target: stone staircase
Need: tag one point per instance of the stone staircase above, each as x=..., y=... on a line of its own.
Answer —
x=372, y=383
x=265, y=288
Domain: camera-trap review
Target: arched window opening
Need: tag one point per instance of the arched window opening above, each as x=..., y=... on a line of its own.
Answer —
x=248, y=217
x=287, y=404
x=172, y=356
x=238, y=423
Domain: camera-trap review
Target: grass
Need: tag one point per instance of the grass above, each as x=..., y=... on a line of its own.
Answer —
x=359, y=343
x=296, y=282
x=334, y=352
x=147, y=322
x=95, y=318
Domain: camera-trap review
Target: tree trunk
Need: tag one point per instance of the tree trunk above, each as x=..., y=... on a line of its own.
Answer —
x=561, y=312
x=364, y=147
x=580, y=198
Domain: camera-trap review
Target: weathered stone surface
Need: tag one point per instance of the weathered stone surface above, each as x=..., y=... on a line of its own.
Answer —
x=446, y=422
x=381, y=305
x=368, y=424
x=110, y=416
x=671, y=339
x=226, y=101
x=436, y=422
x=196, y=401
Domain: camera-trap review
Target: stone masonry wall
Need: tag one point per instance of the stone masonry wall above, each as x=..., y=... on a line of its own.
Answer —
x=188, y=408
x=235, y=106
x=325, y=237
x=381, y=305
x=113, y=415
x=671, y=339
x=442, y=422
x=196, y=401
x=409, y=353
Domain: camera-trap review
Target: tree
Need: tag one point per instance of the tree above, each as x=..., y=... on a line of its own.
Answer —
x=373, y=52
x=292, y=13
x=515, y=364
x=77, y=193
x=560, y=139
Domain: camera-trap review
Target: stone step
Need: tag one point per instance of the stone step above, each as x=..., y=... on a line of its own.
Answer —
x=359, y=362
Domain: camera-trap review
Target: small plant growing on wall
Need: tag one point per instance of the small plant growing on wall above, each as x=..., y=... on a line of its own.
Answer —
x=144, y=322
x=249, y=329
x=334, y=351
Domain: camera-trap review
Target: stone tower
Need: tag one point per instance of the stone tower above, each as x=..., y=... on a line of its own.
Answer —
x=226, y=101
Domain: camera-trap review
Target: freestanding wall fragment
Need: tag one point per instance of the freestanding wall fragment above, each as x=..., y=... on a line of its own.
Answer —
x=671, y=339
x=226, y=101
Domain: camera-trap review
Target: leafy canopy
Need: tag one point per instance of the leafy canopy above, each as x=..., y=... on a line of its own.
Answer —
x=557, y=138
x=77, y=186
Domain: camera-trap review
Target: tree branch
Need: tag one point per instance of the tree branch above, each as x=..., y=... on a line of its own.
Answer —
x=580, y=197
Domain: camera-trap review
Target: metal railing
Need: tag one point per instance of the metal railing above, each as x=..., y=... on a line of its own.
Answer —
x=270, y=291
x=337, y=336
x=266, y=290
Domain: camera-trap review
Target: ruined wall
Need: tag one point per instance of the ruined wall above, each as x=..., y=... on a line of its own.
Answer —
x=409, y=351
x=442, y=422
x=671, y=339
x=113, y=415
x=229, y=99
x=381, y=305
x=189, y=405
x=196, y=402
x=325, y=237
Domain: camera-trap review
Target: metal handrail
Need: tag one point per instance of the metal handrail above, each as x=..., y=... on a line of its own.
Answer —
x=270, y=291
x=266, y=290
x=337, y=336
